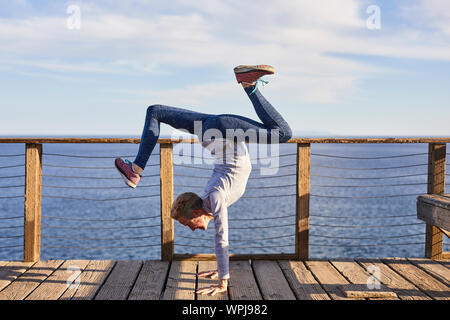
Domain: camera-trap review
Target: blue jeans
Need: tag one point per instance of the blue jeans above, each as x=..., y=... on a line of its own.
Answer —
x=273, y=127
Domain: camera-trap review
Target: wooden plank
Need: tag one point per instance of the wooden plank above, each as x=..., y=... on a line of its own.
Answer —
x=362, y=285
x=91, y=279
x=181, y=281
x=302, y=281
x=32, y=205
x=434, y=215
x=436, y=185
x=234, y=257
x=272, y=283
x=203, y=283
x=150, y=282
x=11, y=270
x=166, y=188
x=20, y=288
x=425, y=282
x=329, y=278
x=242, y=284
x=302, y=201
x=438, y=200
x=120, y=281
x=436, y=269
x=59, y=281
x=404, y=289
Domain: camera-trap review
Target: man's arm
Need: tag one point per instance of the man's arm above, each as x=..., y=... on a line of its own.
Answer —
x=220, y=213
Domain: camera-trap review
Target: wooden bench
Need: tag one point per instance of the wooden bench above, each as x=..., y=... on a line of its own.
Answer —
x=434, y=209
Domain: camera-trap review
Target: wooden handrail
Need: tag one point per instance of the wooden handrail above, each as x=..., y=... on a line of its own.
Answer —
x=188, y=140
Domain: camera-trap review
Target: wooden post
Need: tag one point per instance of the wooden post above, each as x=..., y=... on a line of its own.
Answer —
x=302, y=201
x=436, y=185
x=32, y=214
x=166, y=188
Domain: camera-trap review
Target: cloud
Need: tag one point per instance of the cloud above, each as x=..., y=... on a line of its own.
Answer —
x=147, y=36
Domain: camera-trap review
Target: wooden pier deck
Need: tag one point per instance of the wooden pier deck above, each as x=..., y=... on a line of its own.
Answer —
x=401, y=278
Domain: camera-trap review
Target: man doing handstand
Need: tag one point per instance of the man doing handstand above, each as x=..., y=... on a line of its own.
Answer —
x=232, y=164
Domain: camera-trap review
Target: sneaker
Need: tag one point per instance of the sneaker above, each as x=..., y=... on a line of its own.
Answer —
x=250, y=74
x=125, y=169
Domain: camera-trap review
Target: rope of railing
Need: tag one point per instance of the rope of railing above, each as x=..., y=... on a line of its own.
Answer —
x=11, y=218
x=11, y=155
x=12, y=197
x=383, y=168
x=90, y=157
x=365, y=245
x=235, y=240
x=101, y=220
x=101, y=248
x=16, y=186
x=11, y=237
x=365, y=197
x=98, y=188
x=255, y=158
x=16, y=246
x=10, y=177
x=271, y=187
x=209, y=169
x=367, y=238
x=77, y=167
x=366, y=226
x=93, y=178
x=369, y=178
x=98, y=228
x=355, y=217
x=263, y=227
x=13, y=166
x=100, y=200
x=261, y=218
x=101, y=239
x=11, y=227
x=368, y=158
x=368, y=186
x=240, y=247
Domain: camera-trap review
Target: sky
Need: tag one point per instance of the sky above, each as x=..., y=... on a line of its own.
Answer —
x=343, y=67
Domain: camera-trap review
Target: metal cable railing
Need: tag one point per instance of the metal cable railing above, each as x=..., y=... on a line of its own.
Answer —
x=266, y=232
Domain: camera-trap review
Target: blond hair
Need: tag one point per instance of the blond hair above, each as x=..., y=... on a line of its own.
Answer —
x=184, y=204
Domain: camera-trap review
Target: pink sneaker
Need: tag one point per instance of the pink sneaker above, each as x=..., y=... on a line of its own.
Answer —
x=125, y=169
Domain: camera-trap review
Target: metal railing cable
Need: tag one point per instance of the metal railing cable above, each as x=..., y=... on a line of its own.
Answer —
x=12, y=155
x=100, y=248
x=368, y=158
x=13, y=166
x=93, y=178
x=377, y=168
x=11, y=177
x=100, y=220
x=88, y=156
x=83, y=167
x=98, y=188
x=101, y=239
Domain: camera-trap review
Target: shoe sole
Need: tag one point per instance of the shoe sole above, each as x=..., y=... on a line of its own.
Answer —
x=260, y=68
x=251, y=73
x=127, y=181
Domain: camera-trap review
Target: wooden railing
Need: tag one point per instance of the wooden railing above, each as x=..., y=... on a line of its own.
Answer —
x=33, y=186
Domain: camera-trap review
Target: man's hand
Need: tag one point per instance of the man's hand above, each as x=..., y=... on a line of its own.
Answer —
x=213, y=290
x=213, y=274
